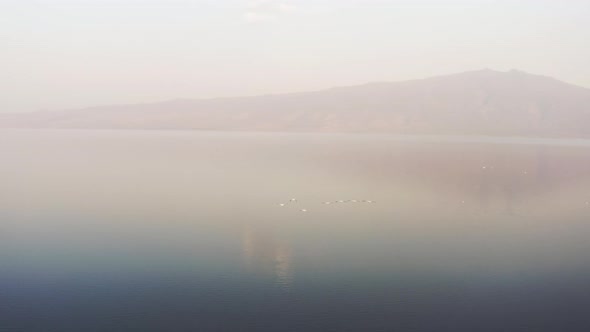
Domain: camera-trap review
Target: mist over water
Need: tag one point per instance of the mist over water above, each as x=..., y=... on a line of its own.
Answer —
x=184, y=231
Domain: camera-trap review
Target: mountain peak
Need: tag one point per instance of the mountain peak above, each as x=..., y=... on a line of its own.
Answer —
x=488, y=71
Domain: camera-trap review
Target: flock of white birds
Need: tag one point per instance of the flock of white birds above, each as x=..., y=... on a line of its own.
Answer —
x=294, y=200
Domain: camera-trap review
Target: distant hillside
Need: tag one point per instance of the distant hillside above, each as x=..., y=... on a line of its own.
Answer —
x=483, y=102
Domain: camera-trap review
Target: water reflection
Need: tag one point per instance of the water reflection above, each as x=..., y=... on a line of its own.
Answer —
x=186, y=232
x=263, y=254
x=485, y=178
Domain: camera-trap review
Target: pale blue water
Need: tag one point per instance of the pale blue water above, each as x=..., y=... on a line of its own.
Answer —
x=183, y=231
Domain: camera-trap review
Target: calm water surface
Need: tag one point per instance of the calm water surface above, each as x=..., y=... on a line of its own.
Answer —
x=183, y=231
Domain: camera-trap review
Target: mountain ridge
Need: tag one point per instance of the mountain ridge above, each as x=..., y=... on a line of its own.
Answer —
x=485, y=102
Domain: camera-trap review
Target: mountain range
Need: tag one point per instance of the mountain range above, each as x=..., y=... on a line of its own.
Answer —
x=484, y=102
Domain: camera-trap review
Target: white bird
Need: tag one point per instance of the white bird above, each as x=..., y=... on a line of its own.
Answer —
x=327, y=202
x=303, y=210
x=282, y=204
x=293, y=200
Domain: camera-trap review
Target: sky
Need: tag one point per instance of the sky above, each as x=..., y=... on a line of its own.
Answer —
x=65, y=54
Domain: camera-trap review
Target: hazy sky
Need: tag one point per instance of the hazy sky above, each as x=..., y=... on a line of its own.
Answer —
x=74, y=53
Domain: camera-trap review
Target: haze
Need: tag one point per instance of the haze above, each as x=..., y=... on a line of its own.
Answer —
x=61, y=54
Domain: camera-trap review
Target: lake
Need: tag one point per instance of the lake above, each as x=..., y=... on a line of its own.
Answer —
x=212, y=231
